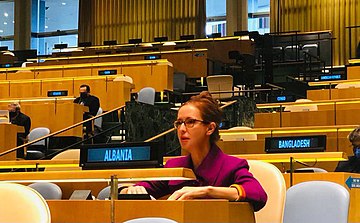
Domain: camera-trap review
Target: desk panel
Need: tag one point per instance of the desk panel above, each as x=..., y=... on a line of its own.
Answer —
x=307, y=118
x=326, y=94
x=111, y=93
x=8, y=140
x=54, y=115
x=180, y=211
x=157, y=74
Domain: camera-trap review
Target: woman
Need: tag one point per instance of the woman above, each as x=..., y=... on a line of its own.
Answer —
x=217, y=175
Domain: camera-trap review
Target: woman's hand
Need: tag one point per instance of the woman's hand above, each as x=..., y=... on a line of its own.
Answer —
x=134, y=190
x=188, y=193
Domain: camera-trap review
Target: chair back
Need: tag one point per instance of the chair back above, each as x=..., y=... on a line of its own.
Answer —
x=150, y=220
x=220, y=83
x=317, y=201
x=147, y=95
x=312, y=169
x=300, y=108
x=179, y=81
x=49, y=191
x=240, y=136
x=73, y=154
x=272, y=180
x=98, y=121
x=124, y=78
x=37, y=133
x=20, y=203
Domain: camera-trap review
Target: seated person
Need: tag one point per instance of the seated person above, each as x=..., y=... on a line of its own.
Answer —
x=353, y=163
x=90, y=101
x=218, y=175
x=20, y=119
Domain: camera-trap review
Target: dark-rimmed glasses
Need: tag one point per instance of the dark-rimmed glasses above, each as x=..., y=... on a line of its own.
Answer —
x=189, y=123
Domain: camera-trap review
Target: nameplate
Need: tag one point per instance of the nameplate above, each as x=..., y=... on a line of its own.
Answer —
x=57, y=93
x=121, y=155
x=152, y=57
x=291, y=144
x=107, y=72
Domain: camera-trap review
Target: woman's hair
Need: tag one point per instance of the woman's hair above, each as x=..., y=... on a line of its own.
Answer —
x=354, y=137
x=210, y=111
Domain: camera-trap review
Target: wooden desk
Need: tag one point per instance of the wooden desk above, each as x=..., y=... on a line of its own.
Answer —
x=193, y=62
x=111, y=93
x=333, y=93
x=180, y=211
x=54, y=115
x=8, y=140
x=337, y=177
x=307, y=118
x=150, y=73
x=96, y=179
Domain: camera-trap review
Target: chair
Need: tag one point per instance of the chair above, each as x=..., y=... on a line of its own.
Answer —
x=37, y=150
x=300, y=108
x=124, y=78
x=179, y=81
x=98, y=121
x=240, y=136
x=348, y=85
x=151, y=220
x=217, y=83
x=147, y=95
x=73, y=154
x=20, y=203
x=316, y=201
x=272, y=180
x=49, y=191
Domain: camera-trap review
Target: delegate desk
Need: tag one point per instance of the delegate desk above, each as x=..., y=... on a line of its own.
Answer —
x=307, y=118
x=336, y=138
x=192, y=62
x=95, y=180
x=151, y=73
x=337, y=177
x=333, y=93
x=111, y=92
x=8, y=138
x=54, y=114
x=180, y=211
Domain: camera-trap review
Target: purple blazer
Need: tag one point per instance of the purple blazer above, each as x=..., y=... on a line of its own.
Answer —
x=217, y=169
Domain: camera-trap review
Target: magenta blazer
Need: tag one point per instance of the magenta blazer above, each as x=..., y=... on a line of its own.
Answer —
x=217, y=169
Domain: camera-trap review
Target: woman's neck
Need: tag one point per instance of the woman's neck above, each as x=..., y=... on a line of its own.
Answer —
x=199, y=154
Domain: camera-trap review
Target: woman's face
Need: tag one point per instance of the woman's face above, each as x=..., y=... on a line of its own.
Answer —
x=194, y=133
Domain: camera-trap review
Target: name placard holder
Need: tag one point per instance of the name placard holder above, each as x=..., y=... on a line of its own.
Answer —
x=289, y=144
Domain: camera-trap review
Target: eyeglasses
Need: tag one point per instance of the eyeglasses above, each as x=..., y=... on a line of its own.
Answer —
x=189, y=123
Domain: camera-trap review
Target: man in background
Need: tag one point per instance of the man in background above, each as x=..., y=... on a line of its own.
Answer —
x=90, y=101
x=20, y=119
x=353, y=163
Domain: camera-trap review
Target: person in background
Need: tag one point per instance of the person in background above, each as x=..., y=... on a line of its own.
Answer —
x=20, y=119
x=90, y=101
x=218, y=175
x=353, y=163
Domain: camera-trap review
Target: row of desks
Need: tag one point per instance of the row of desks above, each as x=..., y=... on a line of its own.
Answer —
x=191, y=62
x=152, y=73
x=111, y=92
x=72, y=211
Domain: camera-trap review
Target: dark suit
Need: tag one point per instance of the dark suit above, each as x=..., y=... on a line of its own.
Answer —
x=94, y=104
x=21, y=120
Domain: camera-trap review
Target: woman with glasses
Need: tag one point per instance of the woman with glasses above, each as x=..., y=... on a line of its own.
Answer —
x=218, y=175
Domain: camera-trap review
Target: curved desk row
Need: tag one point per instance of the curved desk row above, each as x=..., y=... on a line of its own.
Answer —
x=151, y=73
x=111, y=92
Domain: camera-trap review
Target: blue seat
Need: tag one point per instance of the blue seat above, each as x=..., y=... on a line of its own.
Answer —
x=49, y=191
x=317, y=202
x=147, y=95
